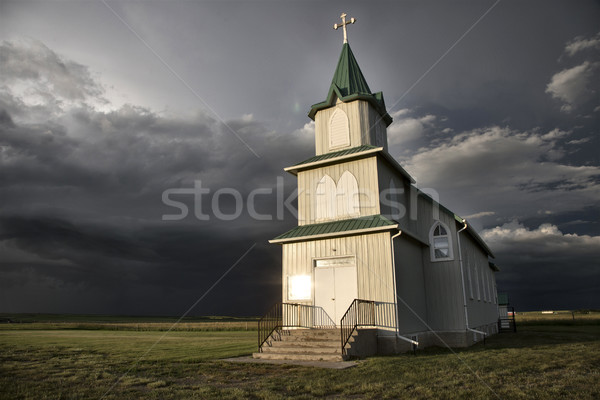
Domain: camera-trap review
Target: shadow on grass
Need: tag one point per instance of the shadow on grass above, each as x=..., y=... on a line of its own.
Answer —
x=528, y=336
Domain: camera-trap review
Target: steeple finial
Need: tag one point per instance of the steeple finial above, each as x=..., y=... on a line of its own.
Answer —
x=343, y=25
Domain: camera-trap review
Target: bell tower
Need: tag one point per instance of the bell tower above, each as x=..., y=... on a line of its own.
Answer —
x=351, y=114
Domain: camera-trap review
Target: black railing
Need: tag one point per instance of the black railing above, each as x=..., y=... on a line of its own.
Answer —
x=360, y=313
x=508, y=323
x=290, y=315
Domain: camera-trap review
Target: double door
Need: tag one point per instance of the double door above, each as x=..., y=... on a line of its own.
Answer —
x=335, y=285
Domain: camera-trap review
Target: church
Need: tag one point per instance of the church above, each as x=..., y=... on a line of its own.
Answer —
x=375, y=266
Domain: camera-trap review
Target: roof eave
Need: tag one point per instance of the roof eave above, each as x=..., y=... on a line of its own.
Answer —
x=294, y=169
x=474, y=235
x=334, y=90
x=396, y=165
x=334, y=234
x=494, y=267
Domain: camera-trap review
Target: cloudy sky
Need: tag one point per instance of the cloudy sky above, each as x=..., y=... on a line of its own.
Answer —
x=107, y=106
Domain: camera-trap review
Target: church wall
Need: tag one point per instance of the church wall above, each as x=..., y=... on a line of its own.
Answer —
x=393, y=204
x=376, y=128
x=443, y=282
x=373, y=265
x=480, y=284
x=361, y=117
x=410, y=285
x=365, y=172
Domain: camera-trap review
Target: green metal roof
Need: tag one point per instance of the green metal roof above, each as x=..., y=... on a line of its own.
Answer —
x=327, y=228
x=348, y=77
x=368, y=149
x=349, y=84
x=335, y=154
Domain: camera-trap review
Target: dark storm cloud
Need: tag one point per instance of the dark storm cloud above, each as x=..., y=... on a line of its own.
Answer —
x=82, y=204
x=504, y=128
x=545, y=268
x=162, y=268
x=521, y=184
x=512, y=173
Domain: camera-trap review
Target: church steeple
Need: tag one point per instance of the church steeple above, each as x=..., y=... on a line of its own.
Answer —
x=348, y=77
x=349, y=84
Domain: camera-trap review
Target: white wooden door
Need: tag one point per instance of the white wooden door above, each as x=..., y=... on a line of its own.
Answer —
x=335, y=286
x=325, y=290
x=346, y=290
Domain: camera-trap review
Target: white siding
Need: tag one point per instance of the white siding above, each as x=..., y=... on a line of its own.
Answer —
x=443, y=281
x=363, y=124
x=468, y=266
x=480, y=312
x=373, y=262
x=410, y=285
x=363, y=170
x=392, y=204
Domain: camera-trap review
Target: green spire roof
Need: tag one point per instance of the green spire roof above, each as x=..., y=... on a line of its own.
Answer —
x=349, y=84
x=348, y=77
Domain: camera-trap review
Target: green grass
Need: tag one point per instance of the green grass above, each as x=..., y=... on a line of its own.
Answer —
x=539, y=362
x=125, y=323
x=563, y=317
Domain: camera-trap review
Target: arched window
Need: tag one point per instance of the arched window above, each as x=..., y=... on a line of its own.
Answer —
x=347, y=196
x=325, y=199
x=339, y=131
x=440, y=242
x=337, y=201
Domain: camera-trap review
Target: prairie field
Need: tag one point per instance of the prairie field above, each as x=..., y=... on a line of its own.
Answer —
x=552, y=356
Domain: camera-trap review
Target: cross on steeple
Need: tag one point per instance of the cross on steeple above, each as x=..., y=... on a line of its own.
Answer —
x=343, y=25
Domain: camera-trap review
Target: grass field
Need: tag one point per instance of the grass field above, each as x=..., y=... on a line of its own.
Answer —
x=551, y=357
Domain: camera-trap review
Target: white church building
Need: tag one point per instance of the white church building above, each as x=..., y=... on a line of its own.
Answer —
x=375, y=266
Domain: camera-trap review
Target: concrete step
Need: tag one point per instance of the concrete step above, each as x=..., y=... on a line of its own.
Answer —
x=307, y=343
x=303, y=350
x=298, y=357
x=309, y=339
x=312, y=335
x=312, y=331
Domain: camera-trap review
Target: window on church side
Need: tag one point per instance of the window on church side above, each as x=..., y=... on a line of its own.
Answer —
x=440, y=243
x=489, y=283
x=484, y=284
x=470, y=278
x=477, y=283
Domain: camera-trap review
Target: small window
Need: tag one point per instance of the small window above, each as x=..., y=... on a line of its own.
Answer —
x=440, y=243
x=470, y=278
x=477, y=283
x=339, y=131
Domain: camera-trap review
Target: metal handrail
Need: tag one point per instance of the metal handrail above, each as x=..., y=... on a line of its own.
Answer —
x=512, y=323
x=360, y=313
x=291, y=315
